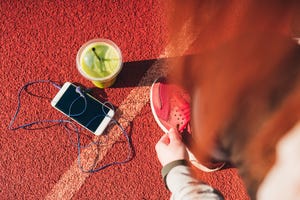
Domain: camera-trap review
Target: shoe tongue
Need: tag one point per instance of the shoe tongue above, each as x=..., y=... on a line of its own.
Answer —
x=165, y=96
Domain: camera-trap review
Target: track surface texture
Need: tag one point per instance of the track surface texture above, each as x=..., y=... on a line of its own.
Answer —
x=39, y=41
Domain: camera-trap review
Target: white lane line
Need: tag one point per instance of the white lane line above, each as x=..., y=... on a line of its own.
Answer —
x=73, y=179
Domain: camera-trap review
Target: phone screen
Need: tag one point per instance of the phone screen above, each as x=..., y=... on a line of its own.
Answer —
x=91, y=114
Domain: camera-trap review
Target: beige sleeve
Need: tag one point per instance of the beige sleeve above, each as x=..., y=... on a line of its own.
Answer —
x=183, y=185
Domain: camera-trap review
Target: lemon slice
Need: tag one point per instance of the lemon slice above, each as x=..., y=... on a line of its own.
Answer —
x=99, y=60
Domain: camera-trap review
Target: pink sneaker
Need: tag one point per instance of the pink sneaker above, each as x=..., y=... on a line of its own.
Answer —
x=170, y=106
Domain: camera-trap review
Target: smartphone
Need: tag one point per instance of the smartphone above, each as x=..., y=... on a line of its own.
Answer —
x=83, y=108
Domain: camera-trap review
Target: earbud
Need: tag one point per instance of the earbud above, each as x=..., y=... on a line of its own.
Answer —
x=79, y=91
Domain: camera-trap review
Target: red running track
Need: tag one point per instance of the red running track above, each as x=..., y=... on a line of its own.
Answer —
x=39, y=40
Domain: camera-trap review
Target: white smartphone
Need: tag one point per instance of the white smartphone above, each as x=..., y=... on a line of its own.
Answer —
x=91, y=114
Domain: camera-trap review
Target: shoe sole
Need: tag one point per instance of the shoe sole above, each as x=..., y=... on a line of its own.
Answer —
x=198, y=165
x=153, y=110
